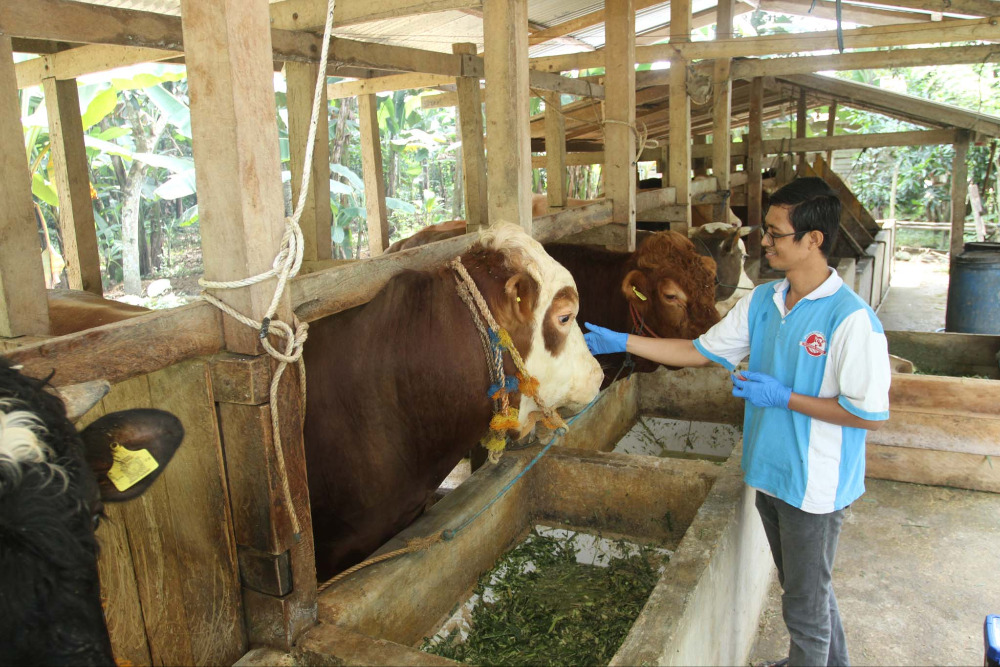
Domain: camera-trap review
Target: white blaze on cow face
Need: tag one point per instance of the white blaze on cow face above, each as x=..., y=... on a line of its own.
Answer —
x=568, y=375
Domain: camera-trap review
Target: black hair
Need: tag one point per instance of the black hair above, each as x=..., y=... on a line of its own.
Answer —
x=813, y=206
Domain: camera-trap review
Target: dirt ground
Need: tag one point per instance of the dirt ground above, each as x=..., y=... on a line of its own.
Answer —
x=918, y=292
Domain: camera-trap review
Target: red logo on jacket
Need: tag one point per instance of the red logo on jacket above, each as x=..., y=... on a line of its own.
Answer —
x=815, y=344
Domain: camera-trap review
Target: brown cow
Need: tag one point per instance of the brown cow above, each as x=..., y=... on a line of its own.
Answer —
x=75, y=310
x=398, y=387
x=663, y=289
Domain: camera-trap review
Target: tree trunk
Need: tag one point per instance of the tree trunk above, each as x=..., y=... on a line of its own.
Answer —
x=458, y=192
x=131, y=269
x=340, y=131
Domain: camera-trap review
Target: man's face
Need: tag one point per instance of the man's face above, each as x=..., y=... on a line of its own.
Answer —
x=785, y=252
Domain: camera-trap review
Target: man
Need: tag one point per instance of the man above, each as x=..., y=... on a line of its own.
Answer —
x=818, y=380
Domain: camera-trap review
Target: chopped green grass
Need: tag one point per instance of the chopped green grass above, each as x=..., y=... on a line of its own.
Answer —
x=541, y=607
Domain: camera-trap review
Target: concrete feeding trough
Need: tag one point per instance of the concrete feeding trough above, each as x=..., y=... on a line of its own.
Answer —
x=717, y=576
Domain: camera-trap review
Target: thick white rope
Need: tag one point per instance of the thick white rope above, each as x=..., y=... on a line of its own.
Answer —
x=285, y=266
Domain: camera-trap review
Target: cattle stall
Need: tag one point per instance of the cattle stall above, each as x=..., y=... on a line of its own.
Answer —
x=215, y=560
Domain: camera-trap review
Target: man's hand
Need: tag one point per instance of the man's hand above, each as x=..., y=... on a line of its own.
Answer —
x=761, y=390
x=604, y=341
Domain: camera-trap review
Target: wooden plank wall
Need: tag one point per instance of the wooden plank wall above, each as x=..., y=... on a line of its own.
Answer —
x=168, y=558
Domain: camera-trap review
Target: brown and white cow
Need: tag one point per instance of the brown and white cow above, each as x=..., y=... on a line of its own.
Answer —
x=397, y=388
x=52, y=482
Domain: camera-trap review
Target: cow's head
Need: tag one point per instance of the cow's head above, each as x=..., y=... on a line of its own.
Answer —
x=671, y=287
x=52, y=483
x=538, y=306
x=724, y=243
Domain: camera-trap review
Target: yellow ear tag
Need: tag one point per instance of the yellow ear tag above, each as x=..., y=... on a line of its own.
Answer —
x=638, y=293
x=130, y=467
x=519, y=299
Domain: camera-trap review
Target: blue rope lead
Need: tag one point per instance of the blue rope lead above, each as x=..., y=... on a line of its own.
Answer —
x=450, y=533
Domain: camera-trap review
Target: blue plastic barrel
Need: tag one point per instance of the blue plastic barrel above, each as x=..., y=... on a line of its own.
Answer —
x=974, y=290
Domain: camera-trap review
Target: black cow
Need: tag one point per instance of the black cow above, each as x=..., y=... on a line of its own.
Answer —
x=52, y=482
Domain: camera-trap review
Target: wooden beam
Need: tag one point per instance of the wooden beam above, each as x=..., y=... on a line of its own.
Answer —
x=470, y=122
x=333, y=290
x=722, y=86
x=753, y=168
x=898, y=105
x=831, y=126
x=94, y=24
x=937, y=32
x=23, y=307
x=72, y=180
x=235, y=140
x=860, y=14
x=564, y=84
x=619, y=108
x=384, y=84
x=679, y=158
x=959, y=194
x=801, y=119
x=308, y=14
x=316, y=214
x=963, y=7
x=508, y=157
x=555, y=151
x=860, y=60
x=126, y=349
x=87, y=59
x=371, y=163
x=841, y=142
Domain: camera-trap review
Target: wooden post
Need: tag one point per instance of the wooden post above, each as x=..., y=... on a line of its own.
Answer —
x=831, y=126
x=470, y=121
x=722, y=85
x=619, y=108
x=235, y=140
x=316, y=214
x=753, y=169
x=371, y=164
x=801, y=118
x=72, y=177
x=680, y=110
x=555, y=150
x=508, y=157
x=698, y=166
x=959, y=193
x=23, y=307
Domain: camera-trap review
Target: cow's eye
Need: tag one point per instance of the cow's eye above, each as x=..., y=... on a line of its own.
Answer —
x=565, y=319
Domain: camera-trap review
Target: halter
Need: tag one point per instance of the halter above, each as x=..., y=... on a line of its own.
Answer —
x=496, y=340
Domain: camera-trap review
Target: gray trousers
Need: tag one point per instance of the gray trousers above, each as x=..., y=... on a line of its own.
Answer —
x=803, y=546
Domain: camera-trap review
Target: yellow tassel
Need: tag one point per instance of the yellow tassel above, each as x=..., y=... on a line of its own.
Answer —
x=494, y=443
x=505, y=421
x=505, y=341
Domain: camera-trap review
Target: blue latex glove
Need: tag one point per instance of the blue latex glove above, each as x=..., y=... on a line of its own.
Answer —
x=604, y=341
x=761, y=390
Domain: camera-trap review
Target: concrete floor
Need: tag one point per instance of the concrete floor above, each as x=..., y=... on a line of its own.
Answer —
x=918, y=568
x=916, y=574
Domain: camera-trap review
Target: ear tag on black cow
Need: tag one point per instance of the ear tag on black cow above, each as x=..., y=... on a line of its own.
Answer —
x=130, y=467
x=638, y=293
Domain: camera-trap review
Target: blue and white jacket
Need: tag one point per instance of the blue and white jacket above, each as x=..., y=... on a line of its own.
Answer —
x=830, y=344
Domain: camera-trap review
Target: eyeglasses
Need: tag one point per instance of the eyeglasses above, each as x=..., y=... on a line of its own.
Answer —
x=772, y=236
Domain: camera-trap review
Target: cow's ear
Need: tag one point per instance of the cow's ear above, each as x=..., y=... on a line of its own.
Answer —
x=127, y=450
x=520, y=299
x=636, y=288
